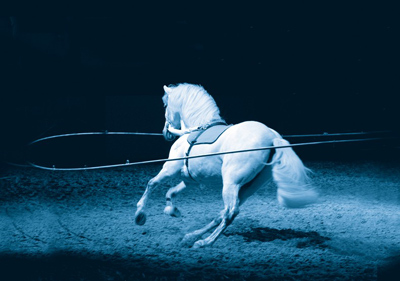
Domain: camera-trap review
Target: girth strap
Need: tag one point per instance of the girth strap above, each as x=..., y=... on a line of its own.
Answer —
x=193, y=141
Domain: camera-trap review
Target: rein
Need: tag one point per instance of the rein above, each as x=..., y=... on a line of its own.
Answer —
x=95, y=133
x=160, y=134
x=208, y=154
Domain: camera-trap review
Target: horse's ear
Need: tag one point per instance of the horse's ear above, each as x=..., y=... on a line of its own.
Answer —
x=167, y=90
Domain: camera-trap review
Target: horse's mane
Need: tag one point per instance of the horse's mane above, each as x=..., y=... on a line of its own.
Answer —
x=196, y=106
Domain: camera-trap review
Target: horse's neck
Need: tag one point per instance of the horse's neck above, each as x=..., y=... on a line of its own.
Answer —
x=203, y=124
x=199, y=122
x=198, y=115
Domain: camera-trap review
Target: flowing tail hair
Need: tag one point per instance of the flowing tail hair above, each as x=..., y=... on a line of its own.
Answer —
x=291, y=176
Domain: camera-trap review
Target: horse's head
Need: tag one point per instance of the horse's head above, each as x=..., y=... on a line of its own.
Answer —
x=172, y=116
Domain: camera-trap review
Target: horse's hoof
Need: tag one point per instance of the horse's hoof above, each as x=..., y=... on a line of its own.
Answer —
x=172, y=211
x=188, y=240
x=199, y=244
x=140, y=218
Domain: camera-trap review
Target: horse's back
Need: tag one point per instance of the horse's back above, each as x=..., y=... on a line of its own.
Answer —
x=249, y=134
x=245, y=135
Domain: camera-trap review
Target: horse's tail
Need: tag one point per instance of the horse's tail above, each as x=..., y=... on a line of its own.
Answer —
x=291, y=176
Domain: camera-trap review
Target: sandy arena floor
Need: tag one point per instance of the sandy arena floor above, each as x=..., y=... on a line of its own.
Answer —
x=80, y=226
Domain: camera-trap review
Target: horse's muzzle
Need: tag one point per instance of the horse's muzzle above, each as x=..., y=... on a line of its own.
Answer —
x=168, y=136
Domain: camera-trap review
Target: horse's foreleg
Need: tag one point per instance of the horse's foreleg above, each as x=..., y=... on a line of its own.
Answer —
x=170, y=209
x=140, y=215
x=230, y=194
x=165, y=173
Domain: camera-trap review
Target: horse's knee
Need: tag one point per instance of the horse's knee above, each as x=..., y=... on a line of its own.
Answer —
x=170, y=194
x=151, y=183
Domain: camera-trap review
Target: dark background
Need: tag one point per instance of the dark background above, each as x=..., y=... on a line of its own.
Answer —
x=298, y=69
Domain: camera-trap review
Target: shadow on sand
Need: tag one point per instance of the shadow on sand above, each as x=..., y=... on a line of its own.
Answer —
x=266, y=234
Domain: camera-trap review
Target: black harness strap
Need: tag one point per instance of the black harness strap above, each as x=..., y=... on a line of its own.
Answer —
x=271, y=155
x=187, y=161
x=193, y=142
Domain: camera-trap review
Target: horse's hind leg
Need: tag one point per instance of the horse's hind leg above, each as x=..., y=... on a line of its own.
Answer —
x=192, y=237
x=245, y=191
x=262, y=179
x=170, y=209
x=230, y=194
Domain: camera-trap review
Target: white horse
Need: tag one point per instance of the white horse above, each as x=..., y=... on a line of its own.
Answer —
x=241, y=174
